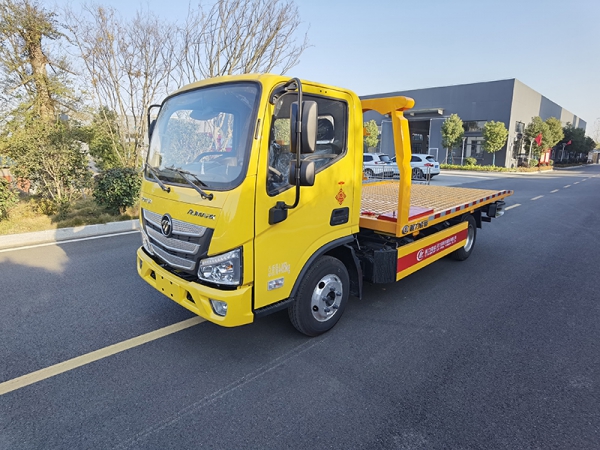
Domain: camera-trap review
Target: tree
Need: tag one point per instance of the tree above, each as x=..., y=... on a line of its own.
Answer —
x=494, y=137
x=239, y=36
x=128, y=66
x=555, y=129
x=536, y=127
x=46, y=150
x=579, y=146
x=50, y=157
x=102, y=137
x=452, y=132
x=372, y=133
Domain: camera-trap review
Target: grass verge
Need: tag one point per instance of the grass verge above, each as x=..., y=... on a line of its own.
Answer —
x=25, y=217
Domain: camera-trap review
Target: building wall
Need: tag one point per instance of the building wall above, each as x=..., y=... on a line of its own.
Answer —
x=472, y=102
x=528, y=103
x=509, y=101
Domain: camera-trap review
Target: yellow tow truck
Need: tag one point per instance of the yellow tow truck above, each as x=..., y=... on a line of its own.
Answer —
x=253, y=200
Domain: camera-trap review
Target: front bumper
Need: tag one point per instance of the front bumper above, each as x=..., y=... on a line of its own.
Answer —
x=196, y=297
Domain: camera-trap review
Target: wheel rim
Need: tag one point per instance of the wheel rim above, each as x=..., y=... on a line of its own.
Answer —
x=470, y=238
x=326, y=298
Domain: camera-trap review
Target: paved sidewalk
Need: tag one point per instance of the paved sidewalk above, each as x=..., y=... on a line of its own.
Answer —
x=65, y=234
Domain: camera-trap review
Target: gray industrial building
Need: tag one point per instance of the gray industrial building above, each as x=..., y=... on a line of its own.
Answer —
x=508, y=101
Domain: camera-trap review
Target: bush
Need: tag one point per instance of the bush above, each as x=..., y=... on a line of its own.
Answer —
x=551, y=162
x=470, y=161
x=533, y=163
x=117, y=189
x=8, y=198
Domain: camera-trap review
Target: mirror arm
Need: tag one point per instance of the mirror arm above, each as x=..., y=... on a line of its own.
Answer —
x=278, y=213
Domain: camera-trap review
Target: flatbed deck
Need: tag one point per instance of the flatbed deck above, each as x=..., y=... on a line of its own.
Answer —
x=380, y=201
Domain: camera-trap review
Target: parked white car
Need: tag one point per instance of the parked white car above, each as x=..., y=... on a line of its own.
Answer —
x=379, y=165
x=421, y=165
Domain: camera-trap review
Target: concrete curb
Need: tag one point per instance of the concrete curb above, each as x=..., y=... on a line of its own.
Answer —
x=64, y=234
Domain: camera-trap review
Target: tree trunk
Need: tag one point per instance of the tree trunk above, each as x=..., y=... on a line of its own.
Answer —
x=38, y=61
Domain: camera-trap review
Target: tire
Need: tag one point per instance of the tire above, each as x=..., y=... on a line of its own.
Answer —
x=417, y=174
x=464, y=252
x=321, y=298
x=369, y=173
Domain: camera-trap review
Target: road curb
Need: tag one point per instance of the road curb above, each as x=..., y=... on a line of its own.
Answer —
x=64, y=234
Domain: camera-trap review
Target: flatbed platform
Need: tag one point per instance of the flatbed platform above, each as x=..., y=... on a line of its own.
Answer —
x=380, y=201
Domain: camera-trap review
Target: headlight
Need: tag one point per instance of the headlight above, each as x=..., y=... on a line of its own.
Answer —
x=146, y=243
x=222, y=269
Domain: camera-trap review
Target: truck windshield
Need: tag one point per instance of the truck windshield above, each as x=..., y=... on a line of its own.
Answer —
x=206, y=133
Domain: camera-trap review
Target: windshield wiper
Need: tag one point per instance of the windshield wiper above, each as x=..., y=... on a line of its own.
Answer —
x=183, y=174
x=155, y=176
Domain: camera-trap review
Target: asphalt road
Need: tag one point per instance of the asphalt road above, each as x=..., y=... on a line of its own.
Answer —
x=499, y=351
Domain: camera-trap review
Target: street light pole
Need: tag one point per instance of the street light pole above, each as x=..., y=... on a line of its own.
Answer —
x=462, y=155
x=530, y=145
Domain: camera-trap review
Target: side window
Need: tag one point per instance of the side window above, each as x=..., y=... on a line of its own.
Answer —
x=367, y=158
x=331, y=139
x=415, y=159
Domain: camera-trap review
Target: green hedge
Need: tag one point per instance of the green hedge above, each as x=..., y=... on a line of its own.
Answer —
x=117, y=189
x=493, y=168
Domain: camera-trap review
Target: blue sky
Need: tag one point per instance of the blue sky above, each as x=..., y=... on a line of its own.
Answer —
x=389, y=45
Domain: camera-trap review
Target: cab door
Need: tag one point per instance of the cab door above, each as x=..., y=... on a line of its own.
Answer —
x=326, y=211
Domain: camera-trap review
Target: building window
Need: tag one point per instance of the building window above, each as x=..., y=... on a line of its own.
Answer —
x=474, y=126
x=477, y=149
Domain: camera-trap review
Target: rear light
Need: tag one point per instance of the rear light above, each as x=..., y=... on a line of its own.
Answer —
x=428, y=165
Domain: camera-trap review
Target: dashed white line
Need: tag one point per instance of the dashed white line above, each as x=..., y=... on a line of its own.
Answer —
x=555, y=190
x=537, y=198
x=567, y=186
x=512, y=206
x=577, y=182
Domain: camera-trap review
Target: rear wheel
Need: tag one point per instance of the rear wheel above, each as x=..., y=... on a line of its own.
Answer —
x=464, y=252
x=369, y=173
x=417, y=174
x=321, y=298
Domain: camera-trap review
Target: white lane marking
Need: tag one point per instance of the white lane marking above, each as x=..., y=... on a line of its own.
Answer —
x=512, y=206
x=577, y=182
x=537, y=198
x=555, y=190
x=90, y=238
x=65, y=366
x=567, y=186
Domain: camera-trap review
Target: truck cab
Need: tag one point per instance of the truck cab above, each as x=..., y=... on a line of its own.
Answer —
x=215, y=252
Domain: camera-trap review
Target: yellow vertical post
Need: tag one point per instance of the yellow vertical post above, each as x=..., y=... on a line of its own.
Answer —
x=394, y=106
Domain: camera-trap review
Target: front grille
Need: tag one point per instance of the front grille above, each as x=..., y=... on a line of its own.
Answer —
x=172, y=260
x=184, y=248
x=179, y=227
x=171, y=243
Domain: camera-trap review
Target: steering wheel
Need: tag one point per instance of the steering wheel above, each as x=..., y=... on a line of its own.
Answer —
x=205, y=154
x=276, y=173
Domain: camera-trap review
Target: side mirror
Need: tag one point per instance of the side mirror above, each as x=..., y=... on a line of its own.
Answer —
x=308, y=137
x=307, y=173
x=151, y=128
x=151, y=122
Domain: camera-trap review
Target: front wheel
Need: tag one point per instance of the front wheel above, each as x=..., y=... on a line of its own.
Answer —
x=321, y=298
x=464, y=252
